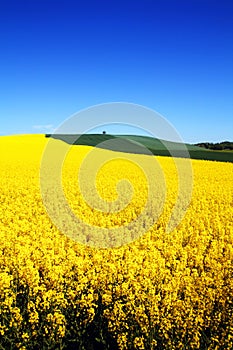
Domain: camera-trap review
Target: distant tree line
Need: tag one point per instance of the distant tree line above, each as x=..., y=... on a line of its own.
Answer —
x=226, y=145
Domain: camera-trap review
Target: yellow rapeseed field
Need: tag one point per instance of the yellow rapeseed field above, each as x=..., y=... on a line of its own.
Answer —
x=162, y=290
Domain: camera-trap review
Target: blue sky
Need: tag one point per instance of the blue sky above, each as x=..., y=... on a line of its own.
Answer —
x=176, y=57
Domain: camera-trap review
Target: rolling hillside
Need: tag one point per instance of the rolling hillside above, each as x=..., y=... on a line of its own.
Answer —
x=141, y=144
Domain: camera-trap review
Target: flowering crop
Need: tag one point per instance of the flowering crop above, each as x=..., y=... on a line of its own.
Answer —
x=161, y=291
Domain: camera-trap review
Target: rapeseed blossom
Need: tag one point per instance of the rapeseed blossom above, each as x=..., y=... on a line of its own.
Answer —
x=160, y=291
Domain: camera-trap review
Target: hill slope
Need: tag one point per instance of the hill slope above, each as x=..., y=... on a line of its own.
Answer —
x=141, y=144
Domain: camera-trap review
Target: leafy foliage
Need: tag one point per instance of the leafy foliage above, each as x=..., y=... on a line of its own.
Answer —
x=226, y=145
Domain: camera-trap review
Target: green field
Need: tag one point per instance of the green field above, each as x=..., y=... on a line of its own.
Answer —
x=135, y=143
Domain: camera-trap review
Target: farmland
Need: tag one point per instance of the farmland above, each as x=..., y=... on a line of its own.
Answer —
x=126, y=143
x=160, y=291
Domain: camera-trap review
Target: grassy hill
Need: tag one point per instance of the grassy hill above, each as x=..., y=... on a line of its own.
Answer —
x=135, y=143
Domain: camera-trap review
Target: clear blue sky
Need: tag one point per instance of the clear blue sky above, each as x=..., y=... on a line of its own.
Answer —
x=57, y=57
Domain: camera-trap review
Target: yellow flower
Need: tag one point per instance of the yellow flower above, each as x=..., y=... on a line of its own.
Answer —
x=159, y=287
